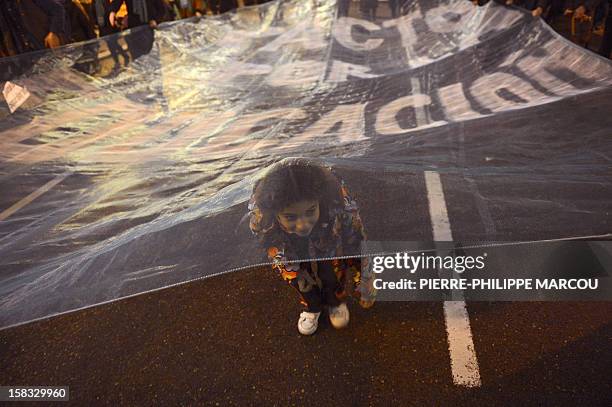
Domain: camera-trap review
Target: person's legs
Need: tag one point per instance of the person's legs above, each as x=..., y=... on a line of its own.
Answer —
x=363, y=9
x=330, y=283
x=343, y=8
x=311, y=298
x=394, y=8
x=557, y=8
x=606, y=43
x=310, y=294
x=331, y=290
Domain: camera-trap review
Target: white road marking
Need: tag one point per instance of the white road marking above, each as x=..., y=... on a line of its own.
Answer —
x=28, y=199
x=419, y=112
x=464, y=365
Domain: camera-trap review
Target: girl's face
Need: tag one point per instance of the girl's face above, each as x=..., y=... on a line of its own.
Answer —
x=299, y=218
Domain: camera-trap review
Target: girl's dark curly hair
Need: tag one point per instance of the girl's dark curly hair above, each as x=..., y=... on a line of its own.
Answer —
x=294, y=180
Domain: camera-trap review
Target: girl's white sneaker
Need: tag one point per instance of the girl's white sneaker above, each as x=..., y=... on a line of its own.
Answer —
x=308, y=322
x=339, y=316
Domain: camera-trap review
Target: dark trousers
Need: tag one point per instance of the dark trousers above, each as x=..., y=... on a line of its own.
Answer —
x=313, y=296
x=394, y=6
x=606, y=42
x=368, y=9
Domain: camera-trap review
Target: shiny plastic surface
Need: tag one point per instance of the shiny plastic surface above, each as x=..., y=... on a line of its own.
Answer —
x=131, y=164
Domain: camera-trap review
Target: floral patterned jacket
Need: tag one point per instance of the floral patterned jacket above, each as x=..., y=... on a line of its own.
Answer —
x=340, y=235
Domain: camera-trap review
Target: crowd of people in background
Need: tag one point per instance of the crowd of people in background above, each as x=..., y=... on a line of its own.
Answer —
x=587, y=17
x=28, y=25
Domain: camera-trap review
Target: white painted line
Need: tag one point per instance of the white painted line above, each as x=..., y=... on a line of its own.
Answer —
x=28, y=199
x=419, y=112
x=464, y=365
x=437, y=208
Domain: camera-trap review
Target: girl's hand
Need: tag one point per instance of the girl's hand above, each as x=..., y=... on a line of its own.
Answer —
x=111, y=19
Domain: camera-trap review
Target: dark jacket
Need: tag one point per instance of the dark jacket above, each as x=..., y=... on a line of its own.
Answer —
x=24, y=24
x=55, y=11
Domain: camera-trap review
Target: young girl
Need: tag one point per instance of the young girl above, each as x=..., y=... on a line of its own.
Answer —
x=299, y=210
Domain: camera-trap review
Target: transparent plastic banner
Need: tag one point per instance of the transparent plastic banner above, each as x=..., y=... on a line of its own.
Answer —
x=130, y=163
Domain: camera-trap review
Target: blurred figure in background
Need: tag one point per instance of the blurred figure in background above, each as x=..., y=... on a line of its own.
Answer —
x=586, y=9
x=368, y=9
x=101, y=12
x=606, y=43
x=343, y=7
x=188, y=8
x=16, y=27
x=586, y=15
x=140, y=12
x=30, y=25
x=222, y=6
x=395, y=8
x=82, y=27
x=535, y=6
x=227, y=5
x=40, y=23
x=551, y=9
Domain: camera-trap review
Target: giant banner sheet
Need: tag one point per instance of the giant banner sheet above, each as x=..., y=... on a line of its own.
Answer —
x=127, y=163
